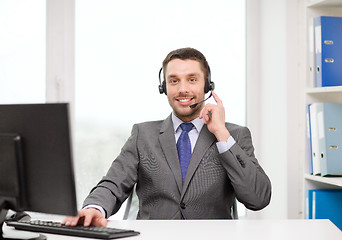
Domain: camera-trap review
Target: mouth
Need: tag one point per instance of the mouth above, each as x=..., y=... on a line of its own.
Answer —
x=184, y=100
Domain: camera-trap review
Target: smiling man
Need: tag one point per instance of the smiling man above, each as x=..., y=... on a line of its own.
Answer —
x=192, y=165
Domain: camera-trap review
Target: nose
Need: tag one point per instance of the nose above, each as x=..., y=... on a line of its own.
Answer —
x=183, y=87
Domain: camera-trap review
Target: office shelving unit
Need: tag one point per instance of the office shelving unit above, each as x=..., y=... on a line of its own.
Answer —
x=313, y=9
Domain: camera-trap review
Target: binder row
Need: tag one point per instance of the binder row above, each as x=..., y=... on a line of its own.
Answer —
x=324, y=133
x=324, y=120
x=325, y=204
x=325, y=47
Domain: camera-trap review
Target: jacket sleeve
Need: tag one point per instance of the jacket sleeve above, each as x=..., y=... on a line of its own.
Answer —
x=251, y=184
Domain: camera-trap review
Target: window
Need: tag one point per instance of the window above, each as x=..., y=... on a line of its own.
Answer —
x=22, y=51
x=120, y=46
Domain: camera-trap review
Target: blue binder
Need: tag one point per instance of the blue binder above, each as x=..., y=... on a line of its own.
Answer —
x=329, y=122
x=328, y=51
x=325, y=204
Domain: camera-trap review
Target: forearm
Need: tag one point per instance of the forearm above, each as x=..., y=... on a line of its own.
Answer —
x=250, y=182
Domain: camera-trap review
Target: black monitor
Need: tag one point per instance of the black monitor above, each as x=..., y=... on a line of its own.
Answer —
x=36, y=168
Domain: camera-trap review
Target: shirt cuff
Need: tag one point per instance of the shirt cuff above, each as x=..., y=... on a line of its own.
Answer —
x=96, y=207
x=225, y=146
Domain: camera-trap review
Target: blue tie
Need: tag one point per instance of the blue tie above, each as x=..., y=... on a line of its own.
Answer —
x=184, y=148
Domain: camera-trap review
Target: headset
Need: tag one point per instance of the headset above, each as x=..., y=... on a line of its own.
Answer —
x=208, y=86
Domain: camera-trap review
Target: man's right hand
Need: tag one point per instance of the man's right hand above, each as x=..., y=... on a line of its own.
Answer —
x=86, y=217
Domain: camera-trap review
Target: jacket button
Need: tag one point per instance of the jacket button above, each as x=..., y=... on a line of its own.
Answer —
x=182, y=205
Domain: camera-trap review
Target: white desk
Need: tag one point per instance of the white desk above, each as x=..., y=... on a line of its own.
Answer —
x=225, y=229
x=233, y=229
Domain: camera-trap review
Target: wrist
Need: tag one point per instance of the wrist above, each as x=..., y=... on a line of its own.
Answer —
x=222, y=135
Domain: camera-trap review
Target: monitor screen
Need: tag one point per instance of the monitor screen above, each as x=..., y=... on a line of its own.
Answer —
x=36, y=168
x=11, y=172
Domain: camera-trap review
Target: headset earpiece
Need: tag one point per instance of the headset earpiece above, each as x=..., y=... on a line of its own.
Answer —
x=162, y=84
x=209, y=85
x=161, y=90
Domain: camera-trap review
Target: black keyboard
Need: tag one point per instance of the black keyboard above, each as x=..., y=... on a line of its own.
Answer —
x=79, y=231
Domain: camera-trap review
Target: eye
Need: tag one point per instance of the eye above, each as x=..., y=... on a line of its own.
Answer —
x=173, y=81
x=192, y=79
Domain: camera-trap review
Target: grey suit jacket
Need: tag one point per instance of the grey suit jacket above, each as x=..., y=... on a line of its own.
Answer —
x=149, y=159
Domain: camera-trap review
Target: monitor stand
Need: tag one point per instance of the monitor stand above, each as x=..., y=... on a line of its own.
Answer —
x=12, y=234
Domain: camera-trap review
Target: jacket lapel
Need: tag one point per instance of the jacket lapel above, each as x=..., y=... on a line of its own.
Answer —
x=168, y=145
x=204, y=141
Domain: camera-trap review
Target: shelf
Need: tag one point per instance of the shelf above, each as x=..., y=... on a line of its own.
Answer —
x=335, y=181
x=313, y=9
x=320, y=90
x=324, y=94
x=324, y=3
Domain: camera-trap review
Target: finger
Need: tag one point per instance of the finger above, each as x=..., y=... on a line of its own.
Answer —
x=70, y=221
x=200, y=115
x=206, y=115
x=217, y=99
x=206, y=118
x=67, y=220
x=75, y=221
x=88, y=219
x=100, y=221
x=209, y=108
x=203, y=114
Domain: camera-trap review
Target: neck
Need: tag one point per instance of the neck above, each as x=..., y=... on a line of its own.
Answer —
x=188, y=118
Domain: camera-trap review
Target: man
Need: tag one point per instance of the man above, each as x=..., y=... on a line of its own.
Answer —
x=192, y=172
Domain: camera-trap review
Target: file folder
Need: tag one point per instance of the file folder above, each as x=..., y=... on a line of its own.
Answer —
x=325, y=204
x=329, y=123
x=308, y=140
x=316, y=165
x=328, y=51
x=311, y=55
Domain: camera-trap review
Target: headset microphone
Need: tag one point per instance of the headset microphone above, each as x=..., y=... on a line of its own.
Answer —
x=195, y=104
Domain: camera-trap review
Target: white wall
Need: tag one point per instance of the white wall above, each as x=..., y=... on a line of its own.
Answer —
x=273, y=99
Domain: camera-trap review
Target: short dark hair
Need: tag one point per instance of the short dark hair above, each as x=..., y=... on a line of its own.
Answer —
x=187, y=53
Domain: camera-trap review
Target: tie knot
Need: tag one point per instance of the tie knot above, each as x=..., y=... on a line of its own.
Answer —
x=186, y=126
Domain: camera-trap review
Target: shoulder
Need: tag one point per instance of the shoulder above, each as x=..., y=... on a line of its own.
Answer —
x=238, y=131
x=235, y=127
x=149, y=124
x=149, y=127
x=159, y=125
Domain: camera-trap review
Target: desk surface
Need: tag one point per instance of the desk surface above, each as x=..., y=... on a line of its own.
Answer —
x=233, y=229
x=225, y=229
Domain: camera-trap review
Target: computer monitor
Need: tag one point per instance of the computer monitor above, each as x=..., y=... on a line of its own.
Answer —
x=36, y=167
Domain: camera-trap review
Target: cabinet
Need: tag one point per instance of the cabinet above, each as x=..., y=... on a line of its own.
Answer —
x=313, y=9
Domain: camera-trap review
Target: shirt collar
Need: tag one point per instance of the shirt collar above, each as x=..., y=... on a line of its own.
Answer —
x=198, y=123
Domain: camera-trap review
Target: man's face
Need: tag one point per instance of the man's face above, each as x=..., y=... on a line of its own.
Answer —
x=185, y=86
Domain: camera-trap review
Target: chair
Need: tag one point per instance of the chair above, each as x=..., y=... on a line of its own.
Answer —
x=132, y=206
x=234, y=210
